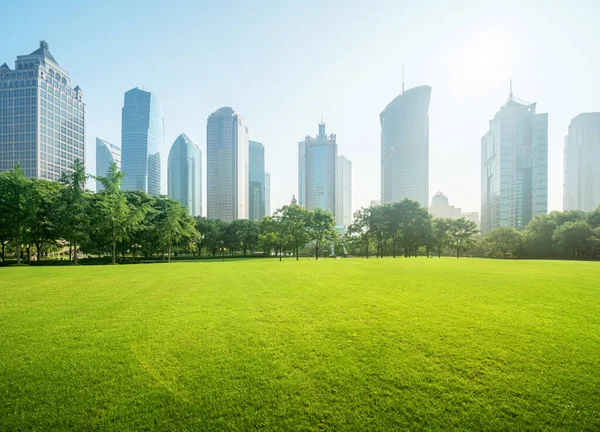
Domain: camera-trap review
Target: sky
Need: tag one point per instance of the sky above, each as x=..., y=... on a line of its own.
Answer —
x=283, y=64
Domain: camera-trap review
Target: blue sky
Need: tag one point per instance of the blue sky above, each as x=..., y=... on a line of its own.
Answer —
x=283, y=64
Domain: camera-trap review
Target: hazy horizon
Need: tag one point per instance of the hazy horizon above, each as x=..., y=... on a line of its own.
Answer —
x=281, y=65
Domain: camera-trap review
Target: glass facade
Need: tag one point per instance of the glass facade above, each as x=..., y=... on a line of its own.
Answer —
x=257, y=181
x=343, y=216
x=185, y=174
x=405, y=147
x=106, y=153
x=514, y=167
x=42, y=119
x=320, y=171
x=142, y=142
x=267, y=194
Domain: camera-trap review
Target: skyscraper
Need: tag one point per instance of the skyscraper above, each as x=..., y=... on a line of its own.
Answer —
x=405, y=147
x=267, y=194
x=42, y=119
x=227, y=165
x=581, y=189
x=514, y=166
x=185, y=174
x=142, y=142
x=302, y=173
x=257, y=181
x=343, y=212
x=106, y=154
x=320, y=161
x=440, y=207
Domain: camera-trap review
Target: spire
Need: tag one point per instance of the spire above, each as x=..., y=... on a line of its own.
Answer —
x=510, y=95
x=44, y=45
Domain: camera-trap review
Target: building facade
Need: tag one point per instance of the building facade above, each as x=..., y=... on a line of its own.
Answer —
x=106, y=154
x=320, y=177
x=514, y=167
x=302, y=173
x=185, y=174
x=267, y=194
x=405, y=147
x=42, y=118
x=440, y=207
x=227, y=166
x=256, y=197
x=142, y=143
x=343, y=212
x=581, y=163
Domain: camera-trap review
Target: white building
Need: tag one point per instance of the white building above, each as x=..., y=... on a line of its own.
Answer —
x=343, y=211
x=106, y=154
x=581, y=188
x=514, y=166
x=227, y=166
x=42, y=118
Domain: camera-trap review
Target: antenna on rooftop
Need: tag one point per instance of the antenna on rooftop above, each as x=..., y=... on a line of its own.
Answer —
x=511, y=93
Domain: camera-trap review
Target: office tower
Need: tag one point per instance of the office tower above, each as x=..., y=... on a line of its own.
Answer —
x=302, y=173
x=106, y=154
x=440, y=207
x=256, y=197
x=375, y=203
x=142, y=142
x=185, y=174
x=472, y=216
x=581, y=164
x=405, y=147
x=514, y=166
x=42, y=119
x=343, y=212
x=267, y=194
x=227, y=165
x=320, y=161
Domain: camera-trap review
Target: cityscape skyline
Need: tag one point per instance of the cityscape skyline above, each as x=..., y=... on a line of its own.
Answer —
x=473, y=83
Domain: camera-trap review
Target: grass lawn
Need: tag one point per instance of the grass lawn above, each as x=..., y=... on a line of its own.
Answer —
x=334, y=344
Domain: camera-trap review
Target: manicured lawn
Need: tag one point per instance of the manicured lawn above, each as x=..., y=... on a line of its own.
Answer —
x=335, y=344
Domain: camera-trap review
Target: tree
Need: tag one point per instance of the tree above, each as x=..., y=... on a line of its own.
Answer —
x=440, y=235
x=461, y=234
x=321, y=229
x=378, y=228
x=573, y=238
x=17, y=206
x=274, y=234
x=46, y=196
x=538, y=236
x=503, y=241
x=173, y=224
x=593, y=218
x=359, y=230
x=74, y=201
x=295, y=219
x=138, y=234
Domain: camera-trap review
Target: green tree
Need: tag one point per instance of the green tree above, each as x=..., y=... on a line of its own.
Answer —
x=359, y=231
x=173, y=224
x=538, y=236
x=461, y=234
x=378, y=228
x=321, y=229
x=295, y=219
x=503, y=241
x=74, y=217
x=440, y=235
x=17, y=206
x=573, y=237
x=274, y=234
x=46, y=197
x=593, y=218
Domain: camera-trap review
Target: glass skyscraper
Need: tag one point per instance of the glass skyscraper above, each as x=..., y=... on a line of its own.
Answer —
x=227, y=165
x=142, y=142
x=185, y=174
x=42, y=119
x=405, y=147
x=257, y=181
x=514, y=166
x=106, y=153
x=343, y=212
x=267, y=194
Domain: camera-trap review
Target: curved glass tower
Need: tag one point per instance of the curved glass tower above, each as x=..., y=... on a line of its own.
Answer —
x=142, y=142
x=185, y=174
x=405, y=147
x=106, y=153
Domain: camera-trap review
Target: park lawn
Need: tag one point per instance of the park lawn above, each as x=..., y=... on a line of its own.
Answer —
x=350, y=344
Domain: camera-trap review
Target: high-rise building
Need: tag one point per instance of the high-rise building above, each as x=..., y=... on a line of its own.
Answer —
x=42, y=119
x=320, y=157
x=142, y=142
x=440, y=207
x=227, y=165
x=343, y=211
x=106, y=154
x=375, y=203
x=514, y=166
x=185, y=174
x=267, y=194
x=405, y=147
x=472, y=216
x=256, y=197
x=581, y=188
x=302, y=173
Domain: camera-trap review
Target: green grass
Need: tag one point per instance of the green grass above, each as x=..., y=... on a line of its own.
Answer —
x=335, y=344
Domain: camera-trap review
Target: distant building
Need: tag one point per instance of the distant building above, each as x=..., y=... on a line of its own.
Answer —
x=227, y=166
x=257, y=181
x=267, y=194
x=320, y=156
x=142, y=143
x=302, y=173
x=581, y=188
x=405, y=147
x=514, y=166
x=440, y=207
x=106, y=154
x=185, y=174
x=42, y=118
x=375, y=203
x=343, y=212
x=473, y=217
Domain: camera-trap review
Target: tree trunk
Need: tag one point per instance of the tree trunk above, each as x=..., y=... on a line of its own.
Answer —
x=75, y=253
x=3, y=250
x=280, y=254
x=38, y=247
x=297, y=248
x=114, y=251
x=18, y=245
x=169, y=255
